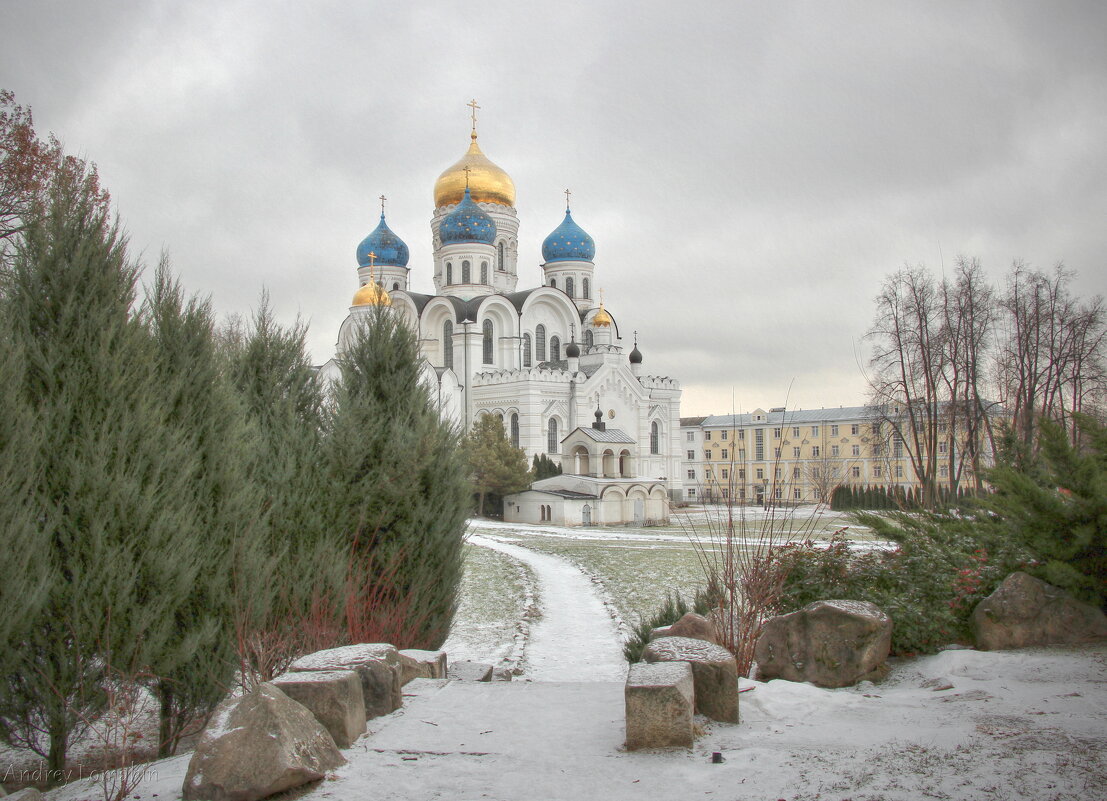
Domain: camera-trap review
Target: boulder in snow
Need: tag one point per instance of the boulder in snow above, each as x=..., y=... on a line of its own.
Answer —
x=256, y=745
x=470, y=671
x=378, y=664
x=714, y=673
x=26, y=794
x=335, y=698
x=416, y=664
x=828, y=643
x=659, y=699
x=1024, y=611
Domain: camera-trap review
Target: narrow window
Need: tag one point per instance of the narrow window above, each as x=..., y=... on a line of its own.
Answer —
x=589, y=339
x=465, y=277
x=526, y=350
x=655, y=437
x=500, y=256
x=449, y=274
x=540, y=343
x=488, y=342
x=586, y=290
x=569, y=287
x=555, y=349
x=396, y=285
x=484, y=272
x=448, y=344
x=551, y=436
x=515, y=430
x=553, y=283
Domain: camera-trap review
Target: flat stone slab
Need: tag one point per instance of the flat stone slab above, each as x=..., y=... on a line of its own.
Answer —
x=378, y=664
x=470, y=671
x=335, y=698
x=714, y=673
x=659, y=699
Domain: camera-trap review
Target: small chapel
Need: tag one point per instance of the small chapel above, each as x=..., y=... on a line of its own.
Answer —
x=550, y=361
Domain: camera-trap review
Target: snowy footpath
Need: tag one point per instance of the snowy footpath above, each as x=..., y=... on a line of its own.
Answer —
x=961, y=725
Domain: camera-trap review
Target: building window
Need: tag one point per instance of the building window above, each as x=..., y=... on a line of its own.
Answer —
x=897, y=448
x=655, y=437
x=691, y=474
x=759, y=444
x=856, y=472
x=707, y=435
x=834, y=431
x=814, y=451
x=816, y=473
x=855, y=429
x=487, y=341
x=795, y=431
x=691, y=492
x=589, y=339
x=500, y=256
x=876, y=471
x=726, y=453
x=741, y=435
x=553, y=283
x=741, y=454
x=814, y=431
x=795, y=453
x=878, y=449
x=555, y=349
x=776, y=433
x=465, y=272
x=776, y=474
x=943, y=447
x=395, y=285
x=726, y=492
x=448, y=344
x=797, y=494
x=569, y=287
x=742, y=473
x=760, y=474
x=778, y=493
x=776, y=453
x=726, y=473
x=449, y=274
x=795, y=473
x=515, y=430
x=586, y=290
x=899, y=471
x=540, y=343
x=856, y=451
x=834, y=450
x=526, y=350
x=691, y=436
x=943, y=471
x=484, y=272
x=707, y=454
x=816, y=493
x=551, y=436
x=725, y=434
x=691, y=456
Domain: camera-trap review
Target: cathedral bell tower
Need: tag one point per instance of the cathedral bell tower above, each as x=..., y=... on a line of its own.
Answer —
x=567, y=255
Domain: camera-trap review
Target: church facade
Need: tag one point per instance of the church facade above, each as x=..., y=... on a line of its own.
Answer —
x=550, y=360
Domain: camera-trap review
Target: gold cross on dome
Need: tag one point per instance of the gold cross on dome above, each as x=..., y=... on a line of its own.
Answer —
x=567, y=193
x=468, y=169
x=383, y=198
x=473, y=105
x=372, y=263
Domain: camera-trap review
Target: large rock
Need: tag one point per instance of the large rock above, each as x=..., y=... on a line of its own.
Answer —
x=659, y=700
x=691, y=625
x=26, y=794
x=1024, y=611
x=466, y=670
x=828, y=643
x=416, y=664
x=378, y=664
x=335, y=698
x=256, y=745
x=714, y=673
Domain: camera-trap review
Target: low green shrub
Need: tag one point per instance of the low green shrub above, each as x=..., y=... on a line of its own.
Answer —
x=672, y=610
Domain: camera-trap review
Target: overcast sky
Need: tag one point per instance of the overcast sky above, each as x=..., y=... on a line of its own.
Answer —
x=750, y=172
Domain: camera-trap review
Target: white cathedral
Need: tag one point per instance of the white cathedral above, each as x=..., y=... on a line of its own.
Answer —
x=548, y=361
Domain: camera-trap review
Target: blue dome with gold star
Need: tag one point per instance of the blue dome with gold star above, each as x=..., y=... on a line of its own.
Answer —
x=467, y=223
x=568, y=242
x=389, y=249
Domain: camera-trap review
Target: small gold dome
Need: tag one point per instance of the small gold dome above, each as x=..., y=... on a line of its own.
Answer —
x=602, y=318
x=372, y=294
x=487, y=182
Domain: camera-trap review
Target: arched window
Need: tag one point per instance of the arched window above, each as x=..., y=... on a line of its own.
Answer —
x=586, y=291
x=465, y=272
x=540, y=343
x=555, y=349
x=655, y=437
x=526, y=350
x=589, y=339
x=448, y=344
x=569, y=287
x=484, y=272
x=487, y=341
x=449, y=273
x=553, y=283
x=500, y=256
x=515, y=430
x=551, y=436
x=396, y=285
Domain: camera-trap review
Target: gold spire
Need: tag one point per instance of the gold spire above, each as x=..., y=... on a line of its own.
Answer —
x=372, y=294
x=487, y=182
x=601, y=319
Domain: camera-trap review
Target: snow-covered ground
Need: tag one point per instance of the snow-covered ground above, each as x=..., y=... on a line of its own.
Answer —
x=959, y=725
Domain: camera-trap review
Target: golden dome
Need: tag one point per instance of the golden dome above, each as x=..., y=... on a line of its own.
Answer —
x=372, y=294
x=602, y=318
x=487, y=182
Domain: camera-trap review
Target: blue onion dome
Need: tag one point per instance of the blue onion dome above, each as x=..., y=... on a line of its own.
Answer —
x=467, y=223
x=568, y=242
x=389, y=249
x=572, y=351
